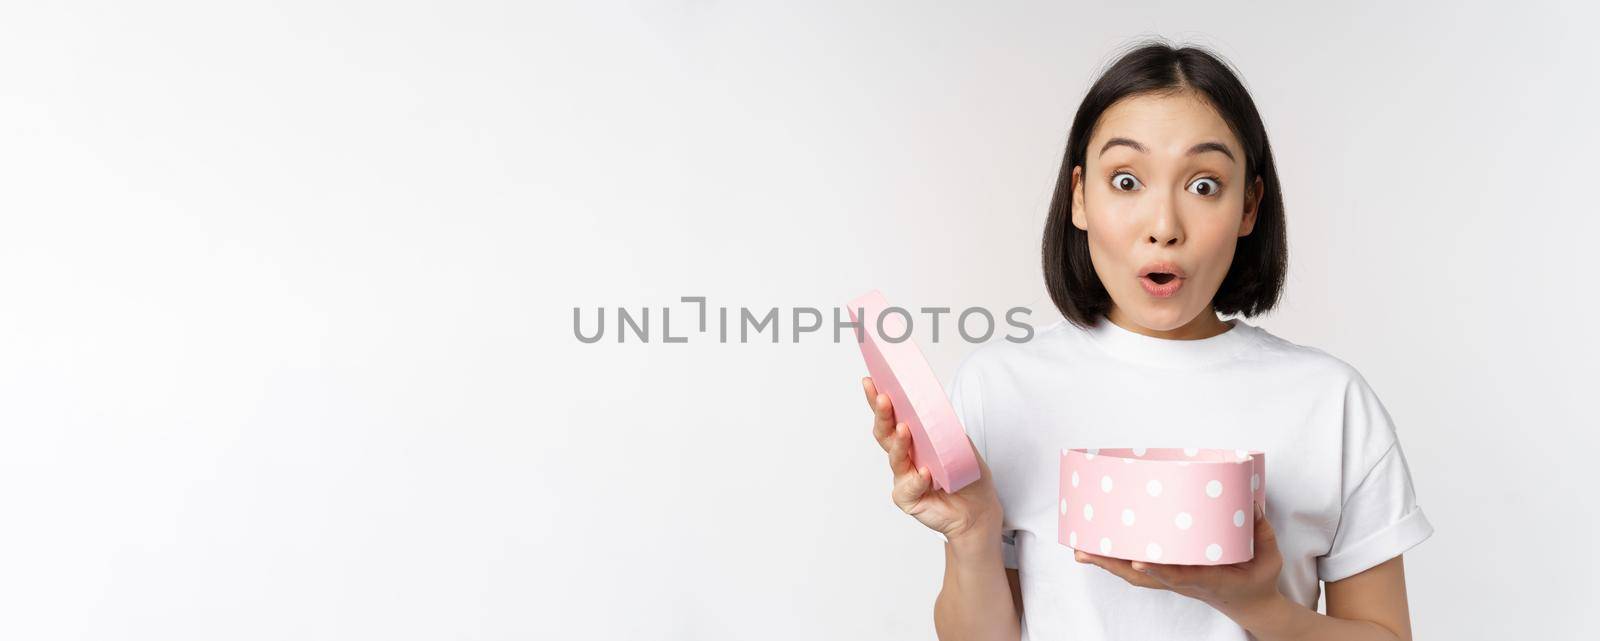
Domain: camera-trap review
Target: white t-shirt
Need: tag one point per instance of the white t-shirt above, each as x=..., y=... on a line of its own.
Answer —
x=1339, y=492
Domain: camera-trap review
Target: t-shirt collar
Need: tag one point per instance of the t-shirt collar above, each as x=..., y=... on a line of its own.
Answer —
x=1166, y=352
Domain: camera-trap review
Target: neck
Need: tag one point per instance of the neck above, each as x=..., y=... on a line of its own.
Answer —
x=1203, y=325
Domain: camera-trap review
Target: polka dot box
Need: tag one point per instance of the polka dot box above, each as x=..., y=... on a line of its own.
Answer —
x=1189, y=506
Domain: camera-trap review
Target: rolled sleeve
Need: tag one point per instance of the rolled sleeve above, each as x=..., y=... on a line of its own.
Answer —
x=1380, y=520
x=1008, y=549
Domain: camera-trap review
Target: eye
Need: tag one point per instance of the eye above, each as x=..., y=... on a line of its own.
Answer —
x=1205, y=187
x=1124, y=181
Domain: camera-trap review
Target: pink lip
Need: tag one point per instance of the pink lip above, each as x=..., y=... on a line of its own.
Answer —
x=1162, y=290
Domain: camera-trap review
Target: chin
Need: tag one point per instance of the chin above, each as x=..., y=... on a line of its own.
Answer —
x=1164, y=316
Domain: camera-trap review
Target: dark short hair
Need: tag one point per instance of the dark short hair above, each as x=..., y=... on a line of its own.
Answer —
x=1255, y=279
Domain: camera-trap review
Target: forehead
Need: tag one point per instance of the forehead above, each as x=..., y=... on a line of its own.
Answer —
x=1166, y=124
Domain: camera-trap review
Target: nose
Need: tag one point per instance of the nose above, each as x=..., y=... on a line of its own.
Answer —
x=1165, y=228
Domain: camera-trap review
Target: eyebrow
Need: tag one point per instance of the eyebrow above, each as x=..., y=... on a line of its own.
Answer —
x=1203, y=147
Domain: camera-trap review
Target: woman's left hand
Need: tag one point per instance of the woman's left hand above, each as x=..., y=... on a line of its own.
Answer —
x=1236, y=590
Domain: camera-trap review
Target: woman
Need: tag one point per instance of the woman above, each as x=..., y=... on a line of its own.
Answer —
x=1166, y=216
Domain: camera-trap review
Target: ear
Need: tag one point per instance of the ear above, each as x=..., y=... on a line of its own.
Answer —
x=1079, y=219
x=1252, y=204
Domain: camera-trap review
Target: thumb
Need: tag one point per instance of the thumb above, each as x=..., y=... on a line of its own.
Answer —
x=983, y=466
x=910, y=487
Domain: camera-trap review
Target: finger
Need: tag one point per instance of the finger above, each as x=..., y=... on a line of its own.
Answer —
x=1262, y=524
x=871, y=391
x=1167, y=574
x=883, y=420
x=874, y=397
x=1124, y=570
x=910, y=487
x=1121, y=568
x=1266, y=538
x=900, y=450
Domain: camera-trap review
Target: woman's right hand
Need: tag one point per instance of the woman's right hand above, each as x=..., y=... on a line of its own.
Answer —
x=974, y=509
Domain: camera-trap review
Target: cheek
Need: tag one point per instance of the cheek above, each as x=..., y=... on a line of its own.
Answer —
x=1214, y=247
x=1111, y=250
x=1110, y=243
x=1113, y=224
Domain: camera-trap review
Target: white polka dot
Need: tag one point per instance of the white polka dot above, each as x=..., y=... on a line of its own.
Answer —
x=1105, y=545
x=1214, y=488
x=1255, y=482
x=1127, y=460
x=1089, y=456
x=1153, y=552
x=1213, y=552
x=1183, y=520
x=1092, y=451
x=1241, y=454
x=1238, y=519
x=1105, y=484
x=1153, y=487
x=1127, y=516
x=1139, y=451
x=1063, y=451
x=1063, y=507
x=1088, y=512
x=1072, y=538
x=1074, y=478
x=1190, y=451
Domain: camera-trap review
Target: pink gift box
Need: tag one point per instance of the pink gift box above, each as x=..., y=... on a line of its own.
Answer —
x=899, y=370
x=1188, y=506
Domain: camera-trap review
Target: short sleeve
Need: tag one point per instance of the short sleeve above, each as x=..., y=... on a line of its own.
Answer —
x=1380, y=517
x=966, y=395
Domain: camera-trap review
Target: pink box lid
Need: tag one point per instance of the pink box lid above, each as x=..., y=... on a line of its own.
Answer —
x=900, y=370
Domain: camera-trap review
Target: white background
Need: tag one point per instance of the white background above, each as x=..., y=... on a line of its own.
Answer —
x=286, y=298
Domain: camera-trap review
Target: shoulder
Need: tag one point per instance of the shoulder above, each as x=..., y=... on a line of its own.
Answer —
x=1333, y=383
x=1304, y=363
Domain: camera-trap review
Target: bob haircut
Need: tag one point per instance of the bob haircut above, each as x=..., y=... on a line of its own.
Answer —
x=1255, y=279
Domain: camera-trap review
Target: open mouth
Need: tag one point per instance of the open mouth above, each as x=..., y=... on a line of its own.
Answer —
x=1162, y=279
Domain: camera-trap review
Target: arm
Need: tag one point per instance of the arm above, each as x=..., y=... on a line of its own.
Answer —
x=1016, y=590
x=979, y=600
x=1370, y=606
x=976, y=600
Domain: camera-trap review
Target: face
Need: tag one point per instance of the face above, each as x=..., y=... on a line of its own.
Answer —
x=1162, y=198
